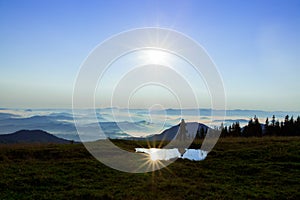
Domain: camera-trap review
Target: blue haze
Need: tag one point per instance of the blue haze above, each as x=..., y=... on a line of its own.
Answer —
x=140, y=122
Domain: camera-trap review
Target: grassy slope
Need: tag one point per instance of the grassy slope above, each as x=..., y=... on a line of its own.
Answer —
x=237, y=168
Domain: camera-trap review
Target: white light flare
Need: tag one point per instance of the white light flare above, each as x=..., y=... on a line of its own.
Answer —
x=156, y=56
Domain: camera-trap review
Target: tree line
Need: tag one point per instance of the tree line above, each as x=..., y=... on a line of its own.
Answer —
x=273, y=127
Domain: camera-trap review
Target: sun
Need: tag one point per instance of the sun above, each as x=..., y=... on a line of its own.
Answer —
x=156, y=56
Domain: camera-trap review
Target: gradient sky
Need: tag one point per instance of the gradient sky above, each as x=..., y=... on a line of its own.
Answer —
x=255, y=45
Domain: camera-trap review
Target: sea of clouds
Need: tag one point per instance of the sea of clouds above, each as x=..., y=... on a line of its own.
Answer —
x=120, y=123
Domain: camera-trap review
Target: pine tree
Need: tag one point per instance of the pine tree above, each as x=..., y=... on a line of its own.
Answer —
x=273, y=120
x=253, y=128
x=224, y=132
x=277, y=129
x=267, y=128
x=257, y=128
x=297, y=126
x=236, y=129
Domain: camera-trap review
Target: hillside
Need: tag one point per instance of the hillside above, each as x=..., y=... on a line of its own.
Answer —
x=31, y=136
x=237, y=168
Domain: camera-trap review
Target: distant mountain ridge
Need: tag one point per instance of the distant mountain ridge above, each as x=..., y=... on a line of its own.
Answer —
x=31, y=136
x=40, y=136
x=116, y=123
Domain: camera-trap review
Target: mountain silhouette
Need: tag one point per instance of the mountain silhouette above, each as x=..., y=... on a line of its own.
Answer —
x=31, y=136
x=169, y=134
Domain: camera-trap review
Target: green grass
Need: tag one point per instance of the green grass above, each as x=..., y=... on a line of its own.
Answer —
x=237, y=168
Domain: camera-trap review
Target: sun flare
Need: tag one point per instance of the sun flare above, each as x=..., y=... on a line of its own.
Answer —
x=155, y=56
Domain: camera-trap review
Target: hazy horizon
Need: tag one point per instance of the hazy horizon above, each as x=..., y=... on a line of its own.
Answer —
x=140, y=108
x=121, y=122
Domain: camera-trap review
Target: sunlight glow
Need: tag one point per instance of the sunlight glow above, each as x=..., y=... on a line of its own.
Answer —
x=153, y=154
x=152, y=163
x=155, y=56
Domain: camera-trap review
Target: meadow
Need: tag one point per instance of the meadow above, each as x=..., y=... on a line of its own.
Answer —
x=237, y=168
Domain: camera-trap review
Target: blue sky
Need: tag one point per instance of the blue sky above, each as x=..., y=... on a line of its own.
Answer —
x=255, y=45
